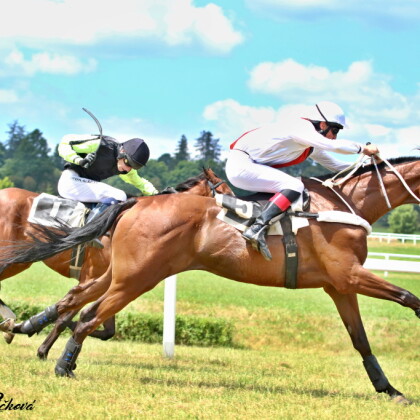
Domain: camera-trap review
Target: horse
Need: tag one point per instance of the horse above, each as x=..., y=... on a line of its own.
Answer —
x=164, y=235
x=14, y=226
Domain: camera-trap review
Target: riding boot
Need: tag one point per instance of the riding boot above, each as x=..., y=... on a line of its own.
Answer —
x=67, y=362
x=276, y=206
x=95, y=212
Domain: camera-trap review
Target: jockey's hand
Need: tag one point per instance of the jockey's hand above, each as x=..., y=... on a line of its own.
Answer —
x=87, y=161
x=370, y=149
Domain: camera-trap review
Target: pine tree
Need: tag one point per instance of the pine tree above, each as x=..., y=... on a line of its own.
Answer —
x=208, y=148
x=182, y=150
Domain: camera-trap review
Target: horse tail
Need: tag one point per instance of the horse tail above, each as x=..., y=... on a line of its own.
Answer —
x=47, y=241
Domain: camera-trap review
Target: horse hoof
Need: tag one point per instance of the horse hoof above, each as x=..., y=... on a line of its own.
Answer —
x=64, y=373
x=8, y=337
x=42, y=355
x=7, y=325
x=400, y=399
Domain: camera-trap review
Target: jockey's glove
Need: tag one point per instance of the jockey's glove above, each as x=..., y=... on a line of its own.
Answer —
x=87, y=161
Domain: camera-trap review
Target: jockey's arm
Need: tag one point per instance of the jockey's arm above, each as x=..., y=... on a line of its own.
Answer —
x=71, y=145
x=145, y=186
x=307, y=136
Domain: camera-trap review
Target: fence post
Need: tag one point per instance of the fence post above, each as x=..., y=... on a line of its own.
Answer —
x=169, y=315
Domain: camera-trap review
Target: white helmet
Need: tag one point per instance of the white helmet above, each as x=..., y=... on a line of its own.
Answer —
x=329, y=112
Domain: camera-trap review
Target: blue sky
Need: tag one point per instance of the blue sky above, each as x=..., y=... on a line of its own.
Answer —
x=158, y=69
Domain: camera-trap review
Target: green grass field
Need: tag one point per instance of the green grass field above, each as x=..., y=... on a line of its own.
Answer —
x=293, y=357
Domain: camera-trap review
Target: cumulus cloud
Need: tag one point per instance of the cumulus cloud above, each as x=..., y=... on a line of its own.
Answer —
x=15, y=63
x=375, y=112
x=358, y=87
x=381, y=12
x=96, y=22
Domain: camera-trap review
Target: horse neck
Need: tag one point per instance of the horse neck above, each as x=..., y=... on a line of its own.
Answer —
x=201, y=188
x=365, y=193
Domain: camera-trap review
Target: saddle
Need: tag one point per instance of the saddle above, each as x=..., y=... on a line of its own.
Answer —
x=241, y=212
x=50, y=210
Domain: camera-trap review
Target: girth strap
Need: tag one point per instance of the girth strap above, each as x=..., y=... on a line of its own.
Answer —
x=291, y=252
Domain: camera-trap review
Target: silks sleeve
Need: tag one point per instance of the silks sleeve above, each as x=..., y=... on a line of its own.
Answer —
x=145, y=186
x=73, y=144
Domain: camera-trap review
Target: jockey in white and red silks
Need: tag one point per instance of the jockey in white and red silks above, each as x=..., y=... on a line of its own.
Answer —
x=257, y=157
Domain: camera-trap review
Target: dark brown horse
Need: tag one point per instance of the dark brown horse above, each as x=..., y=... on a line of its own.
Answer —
x=164, y=235
x=15, y=206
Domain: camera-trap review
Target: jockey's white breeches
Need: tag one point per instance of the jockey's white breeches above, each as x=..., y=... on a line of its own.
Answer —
x=244, y=173
x=74, y=187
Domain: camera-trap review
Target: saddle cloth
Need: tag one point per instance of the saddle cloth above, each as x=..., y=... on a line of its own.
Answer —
x=241, y=214
x=49, y=210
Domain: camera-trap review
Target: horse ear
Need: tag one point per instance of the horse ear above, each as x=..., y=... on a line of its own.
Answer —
x=206, y=172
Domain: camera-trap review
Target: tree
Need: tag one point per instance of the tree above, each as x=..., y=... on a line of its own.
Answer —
x=404, y=219
x=6, y=183
x=168, y=160
x=16, y=133
x=208, y=148
x=182, y=150
x=28, y=164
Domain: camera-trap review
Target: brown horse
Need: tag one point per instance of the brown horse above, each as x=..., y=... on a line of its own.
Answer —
x=164, y=235
x=14, y=226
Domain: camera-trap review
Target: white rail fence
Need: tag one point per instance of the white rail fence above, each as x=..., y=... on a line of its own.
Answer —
x=389, y=237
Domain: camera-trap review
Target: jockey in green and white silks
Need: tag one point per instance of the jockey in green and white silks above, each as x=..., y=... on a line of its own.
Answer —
x=89, y=160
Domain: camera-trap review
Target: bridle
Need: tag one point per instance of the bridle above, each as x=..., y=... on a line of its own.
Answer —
x=213, y=187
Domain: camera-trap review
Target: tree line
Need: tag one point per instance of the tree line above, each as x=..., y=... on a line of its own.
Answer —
x=26, y=161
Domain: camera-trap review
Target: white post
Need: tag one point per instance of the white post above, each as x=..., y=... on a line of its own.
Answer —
x=169, y=314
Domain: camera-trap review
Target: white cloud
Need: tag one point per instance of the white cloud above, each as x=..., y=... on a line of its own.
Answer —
x=358, y=87
x=44, y=62
x=374, y=111
x=374, y=11
x=93, y=22
x=8, y=96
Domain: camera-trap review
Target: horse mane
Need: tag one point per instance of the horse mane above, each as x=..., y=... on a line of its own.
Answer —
x=371, y=167
x=190, y=182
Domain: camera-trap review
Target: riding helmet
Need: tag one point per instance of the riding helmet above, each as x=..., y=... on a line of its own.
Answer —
x=136, y=152
x=328, y=112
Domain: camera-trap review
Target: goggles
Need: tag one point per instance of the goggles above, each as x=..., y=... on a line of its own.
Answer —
x=334, y=128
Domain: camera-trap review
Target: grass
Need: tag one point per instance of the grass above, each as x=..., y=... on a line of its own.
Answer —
x=294, y=358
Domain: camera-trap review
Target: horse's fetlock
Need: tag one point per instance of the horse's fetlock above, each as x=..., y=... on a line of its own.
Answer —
x=376, y=375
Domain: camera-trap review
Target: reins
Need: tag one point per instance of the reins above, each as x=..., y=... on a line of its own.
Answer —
x=332, y=182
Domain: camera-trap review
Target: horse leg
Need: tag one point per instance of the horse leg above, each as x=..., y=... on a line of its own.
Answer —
x=104, y=334
x=366, y=283
x=9, y=317
x=115, y=299
x=75, y=299
x=348, y=308
x=60, y=325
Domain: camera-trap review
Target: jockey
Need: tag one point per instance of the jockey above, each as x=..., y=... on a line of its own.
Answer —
x=91, y=159
x=255, y=159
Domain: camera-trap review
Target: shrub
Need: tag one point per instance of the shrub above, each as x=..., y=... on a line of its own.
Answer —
x=148, y=328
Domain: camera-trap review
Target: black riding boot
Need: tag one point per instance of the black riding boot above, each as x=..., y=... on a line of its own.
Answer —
x=95, y=212
x=256, y=232
x=277, y=205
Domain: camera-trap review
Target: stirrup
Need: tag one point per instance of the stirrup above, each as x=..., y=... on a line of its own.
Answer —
x=258, y=241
